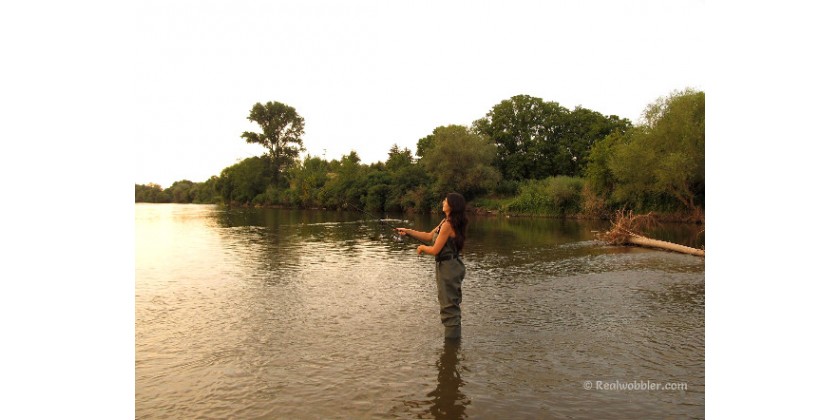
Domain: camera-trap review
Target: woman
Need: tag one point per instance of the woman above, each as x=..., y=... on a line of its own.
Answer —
x=448, y=241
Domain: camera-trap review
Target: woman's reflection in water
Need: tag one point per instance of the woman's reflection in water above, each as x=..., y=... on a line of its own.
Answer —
x=448, y=402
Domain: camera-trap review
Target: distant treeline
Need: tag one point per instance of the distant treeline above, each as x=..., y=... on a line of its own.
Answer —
x=526, y=156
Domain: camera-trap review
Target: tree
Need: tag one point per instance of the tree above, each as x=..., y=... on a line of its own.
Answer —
x=518, y=126
x=376, y=185
x=630, y=163
x=536, y=139
x=282, y=129
x=243, y=181
x=585, y=128
x=677, y=127
x=205, y=192
x=308, y=179
x=409, y=188
x=598, y=174
x=398, y=158
x=424, y=144
x=660, y=163
x=150, y=193
x=408, y=180
x=460, y=160
x=344, y=180
x=181, y=191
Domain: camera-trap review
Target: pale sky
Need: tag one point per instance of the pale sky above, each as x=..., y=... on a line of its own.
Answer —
x=170, y=84
x=369, y=74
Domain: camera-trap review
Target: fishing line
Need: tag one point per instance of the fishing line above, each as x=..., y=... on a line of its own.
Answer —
x=371, y=216
x=381, y=221
x=398, y=237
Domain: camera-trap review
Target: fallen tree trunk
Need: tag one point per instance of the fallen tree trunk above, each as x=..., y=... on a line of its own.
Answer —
x=623, y=232
x=670, y=246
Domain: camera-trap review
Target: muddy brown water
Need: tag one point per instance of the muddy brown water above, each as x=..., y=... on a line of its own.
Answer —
x=269, y=313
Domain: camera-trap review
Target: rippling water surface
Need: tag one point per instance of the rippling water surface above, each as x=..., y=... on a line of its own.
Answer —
x=266, y=313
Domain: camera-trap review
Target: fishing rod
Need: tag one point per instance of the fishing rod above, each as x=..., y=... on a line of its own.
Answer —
x=381, y=221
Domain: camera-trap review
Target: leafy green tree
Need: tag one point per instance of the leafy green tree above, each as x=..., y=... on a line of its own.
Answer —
x=150, y=193
x=181, y=191
x=536, y=139
x=140, y=193
x=243, y=181
x=517, y=127
x=406, y=178
x=424, y=144
x=282, y=129
x=460, y=160
x=408, y=189
x=630, y=164
x=345, y=182
x=205, y=192
x=375, y=185
x=659, y=164
x=585, y=128
x=308, y=180
x=398, y=158
x=678, y=128
x=598, y=174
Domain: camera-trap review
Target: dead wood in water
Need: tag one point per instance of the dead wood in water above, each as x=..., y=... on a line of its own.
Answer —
x=625, y=231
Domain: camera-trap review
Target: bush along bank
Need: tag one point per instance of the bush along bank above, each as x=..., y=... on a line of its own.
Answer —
x=570, y=197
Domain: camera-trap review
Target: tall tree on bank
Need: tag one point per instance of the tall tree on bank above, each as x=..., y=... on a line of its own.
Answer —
x=661, y=163
x=675, y=127
x=518, y=127
x=282, y=129
x=536, y=139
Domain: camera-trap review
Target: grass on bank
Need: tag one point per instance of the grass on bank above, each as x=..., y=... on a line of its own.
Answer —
x=563, y=196
x=557, y=196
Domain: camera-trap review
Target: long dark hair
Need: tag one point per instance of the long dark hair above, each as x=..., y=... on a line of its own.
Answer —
x=458, y=217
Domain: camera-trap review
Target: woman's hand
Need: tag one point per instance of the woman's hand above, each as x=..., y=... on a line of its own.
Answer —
x=402, y=231
x=420, y=250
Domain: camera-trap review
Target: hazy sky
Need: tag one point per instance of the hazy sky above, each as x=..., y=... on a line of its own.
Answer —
x=369, y=74
x=177, y=79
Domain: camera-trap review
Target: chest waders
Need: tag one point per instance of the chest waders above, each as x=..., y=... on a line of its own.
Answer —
x=449, y=273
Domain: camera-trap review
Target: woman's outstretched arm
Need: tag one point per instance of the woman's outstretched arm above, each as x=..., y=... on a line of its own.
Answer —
x=416, y=234
x=422, y=236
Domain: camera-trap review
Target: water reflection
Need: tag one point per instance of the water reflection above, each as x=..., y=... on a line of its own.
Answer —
x=268, y=313
x=448, y=402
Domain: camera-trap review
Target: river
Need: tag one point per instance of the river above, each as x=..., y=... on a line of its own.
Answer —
x=270, y=313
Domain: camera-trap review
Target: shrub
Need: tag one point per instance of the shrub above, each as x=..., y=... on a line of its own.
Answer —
x=559, y=195
x=564, y=193
x=272, y=196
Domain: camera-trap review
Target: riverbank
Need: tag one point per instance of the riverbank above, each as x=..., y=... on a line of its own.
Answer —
x=697, y=217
